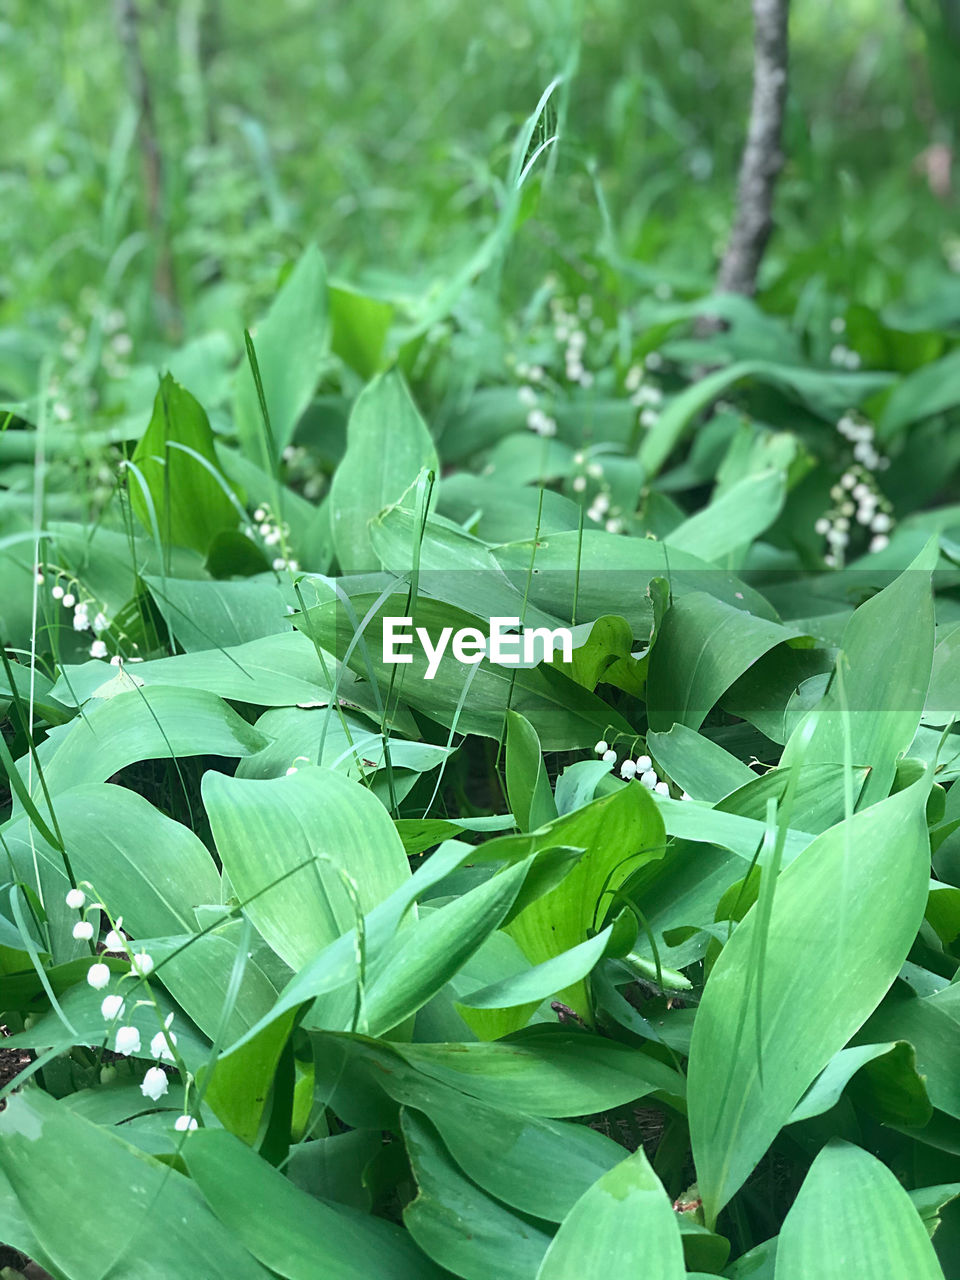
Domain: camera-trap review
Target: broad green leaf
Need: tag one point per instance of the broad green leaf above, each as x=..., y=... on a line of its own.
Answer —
x=619, y=833
x=528, y=786
x=874, y=704
x=609, y=574
x=932, y=1026
x=290, y=345
x=451, y=566
x=472, y=698
x=887, y=1075
x=198, y=972
x=930, y=389
x=505, y=509
x=928, y=1201
x=211, y=615
x=602, y=653
x=853, y=1218
x=144, y=724
x=176, y=458
x=817, y=797
x=943, y=697
x=832, y=394
x=458, y=1225
x=850, y=904
x=322, y=828
x=536, y=1165
x=733, y=520
x=578, y=783
x=349, y=745
x=273, y=671
x=141, y=865
x=238, y=1087
x=622, y=1227
x=742, y=836
x=388, y=445
x=358, y=328
x=434, y=947
x=702, y=647
x=428, y=954
x=701, y=767
x=534, y=984
x=98, y=1206
x=546, y=1070
x=292, y=1233
x=335, y=968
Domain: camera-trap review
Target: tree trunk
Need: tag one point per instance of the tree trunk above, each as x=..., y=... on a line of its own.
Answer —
x=762, y=158
x=128, y=30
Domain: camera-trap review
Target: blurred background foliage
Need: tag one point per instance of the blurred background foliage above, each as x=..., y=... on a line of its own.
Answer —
x=383, y=132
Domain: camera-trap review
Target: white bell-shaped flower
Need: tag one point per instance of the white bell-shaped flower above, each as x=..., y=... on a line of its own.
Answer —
x=127, y=1041
x=112, y=1007
x=154, y=1084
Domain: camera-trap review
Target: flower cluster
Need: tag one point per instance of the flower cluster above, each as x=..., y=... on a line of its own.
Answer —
x=570, y=332
x=843, y=357
x=304, y=471
x=600, y=510
x=860, y=434
x=113, y=1007
x=646, y=395
x=274, y=534
x=856, y=499
x=538, y=420
x=640, y=768
x=68, y=592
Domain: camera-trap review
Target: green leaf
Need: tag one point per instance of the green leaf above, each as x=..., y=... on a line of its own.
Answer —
x=602, y=652
x=700, y=767
x=609, y=574
x=534, y=984
x=239, y=1086
x=533, y=1164
x=359, y=326
x=388, y=445
x=473, y=698
x=317, y=825
x=735, y=519
x=702, y=647
x=177, y=460
x=427, y=955
x=620, y=833
x=874, y=704
x=274, y=671
x=292, y=1233
x=932, y=1026
x=451, y=566
x=850, y=904
x=623, y=1227
x=852, y=1218
x=209, y=615
x=889, y=1084
x=546, y=1070
x=97, y=1205
x=458, y=1225
x=930, y=389
x=290, y=345
x=142, y=724
x=528, y=787
x=831, y=394
x=141, y=864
